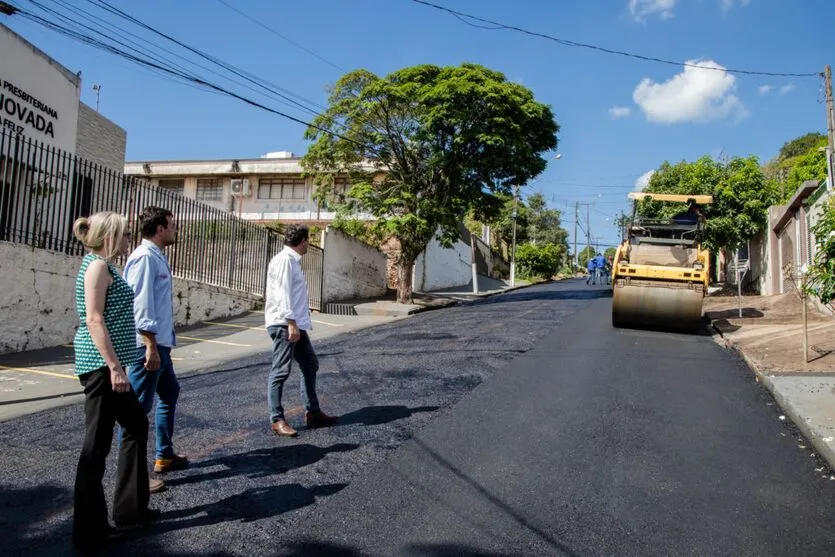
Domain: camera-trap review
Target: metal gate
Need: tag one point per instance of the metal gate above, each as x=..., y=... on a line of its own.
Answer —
x=313, y=265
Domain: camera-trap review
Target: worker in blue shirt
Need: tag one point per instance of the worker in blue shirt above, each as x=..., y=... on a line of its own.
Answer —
x=591, y=267
x=599, y=266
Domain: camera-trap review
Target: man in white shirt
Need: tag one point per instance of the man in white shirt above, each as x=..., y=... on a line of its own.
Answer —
x=287, y=316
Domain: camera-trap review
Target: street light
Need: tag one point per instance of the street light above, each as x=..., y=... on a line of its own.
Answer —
x=558, y=156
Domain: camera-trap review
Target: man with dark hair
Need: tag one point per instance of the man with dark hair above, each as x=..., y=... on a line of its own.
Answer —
x=149, y=274
x=691, y=216
x=287, y=316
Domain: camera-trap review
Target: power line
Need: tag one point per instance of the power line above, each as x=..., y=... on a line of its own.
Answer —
x=141, y=49
x=228, y=67
x=87, y=39
x=497, y=26
x=279, y=35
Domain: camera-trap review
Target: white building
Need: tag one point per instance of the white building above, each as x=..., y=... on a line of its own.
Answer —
x=40, y=101
x=268, y=188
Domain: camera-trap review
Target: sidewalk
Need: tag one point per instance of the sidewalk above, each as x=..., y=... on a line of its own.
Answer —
x=769, y=336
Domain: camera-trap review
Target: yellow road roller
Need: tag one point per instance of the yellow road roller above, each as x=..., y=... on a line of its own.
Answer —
x=660, y=272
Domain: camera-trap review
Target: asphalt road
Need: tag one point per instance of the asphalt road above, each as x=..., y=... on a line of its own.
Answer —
x=518, y=425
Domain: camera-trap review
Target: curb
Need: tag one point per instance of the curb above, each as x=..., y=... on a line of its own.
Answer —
x=821, y=447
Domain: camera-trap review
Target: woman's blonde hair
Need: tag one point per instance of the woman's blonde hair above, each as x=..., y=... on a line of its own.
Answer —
x=101, y=231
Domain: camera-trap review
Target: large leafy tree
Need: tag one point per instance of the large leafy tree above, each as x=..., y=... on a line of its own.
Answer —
x=801, y=145
x=425, y=145
x=544, y=223
x=741, y=196
x=799, y=160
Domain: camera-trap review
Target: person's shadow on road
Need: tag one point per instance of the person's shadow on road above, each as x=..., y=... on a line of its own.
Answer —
x=253, y=504
x=260, y=463
x=378, y=415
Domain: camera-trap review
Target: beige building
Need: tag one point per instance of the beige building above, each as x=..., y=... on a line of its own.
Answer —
x=268, y=188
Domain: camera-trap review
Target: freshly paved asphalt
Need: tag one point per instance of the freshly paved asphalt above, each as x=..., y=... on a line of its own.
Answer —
x=518, y=425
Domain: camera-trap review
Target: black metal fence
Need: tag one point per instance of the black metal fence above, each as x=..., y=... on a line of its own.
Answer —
x=45, y=189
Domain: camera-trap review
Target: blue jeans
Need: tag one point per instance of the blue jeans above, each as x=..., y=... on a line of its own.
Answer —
x=164, y=383
x=284, y=352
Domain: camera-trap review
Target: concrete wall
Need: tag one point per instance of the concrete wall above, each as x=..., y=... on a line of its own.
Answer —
x=352, y=269
x=439, y=267
x=37, y=301
x=99, y=140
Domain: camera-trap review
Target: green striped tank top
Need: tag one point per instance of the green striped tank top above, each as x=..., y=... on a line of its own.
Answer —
x=118, y=318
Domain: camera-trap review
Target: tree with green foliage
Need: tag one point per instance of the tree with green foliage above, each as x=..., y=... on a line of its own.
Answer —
x=544, y=223
x=821, y=279
x=585, y=254
x=810, y=166
x=801, y=145
x=425, y=145
x=610, y=252
x=538, y=260
x=741, y=197
x=799, y=160
x=501, y=223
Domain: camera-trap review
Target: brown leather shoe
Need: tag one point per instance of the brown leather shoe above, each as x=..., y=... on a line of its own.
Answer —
x=176, y=462
x=156, y=486
x=281, y=427
x=318, y=419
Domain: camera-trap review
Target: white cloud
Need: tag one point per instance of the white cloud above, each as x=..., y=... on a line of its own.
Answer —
x=643, y=181
x=765, y=89
x=697, y=94
x=786, y=89
x=618, y=112
x=640, y=9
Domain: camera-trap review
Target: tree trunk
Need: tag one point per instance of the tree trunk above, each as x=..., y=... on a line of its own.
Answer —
x=404, y=280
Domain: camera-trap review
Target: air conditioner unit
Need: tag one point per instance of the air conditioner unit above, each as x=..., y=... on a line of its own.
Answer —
x=240, y=187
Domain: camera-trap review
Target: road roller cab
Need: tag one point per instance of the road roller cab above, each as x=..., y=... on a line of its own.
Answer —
x=660, y=272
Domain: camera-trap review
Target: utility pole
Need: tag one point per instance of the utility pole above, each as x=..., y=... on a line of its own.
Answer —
x=588, y=226
x=830, y=125
x=576, y=217
x=513, y=246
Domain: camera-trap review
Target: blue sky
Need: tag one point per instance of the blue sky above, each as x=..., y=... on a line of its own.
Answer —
x=619, y=117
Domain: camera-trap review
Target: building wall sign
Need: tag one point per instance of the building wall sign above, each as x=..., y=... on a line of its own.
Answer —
x=38, y=97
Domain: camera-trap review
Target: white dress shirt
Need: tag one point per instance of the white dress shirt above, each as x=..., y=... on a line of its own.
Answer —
x=287, y=296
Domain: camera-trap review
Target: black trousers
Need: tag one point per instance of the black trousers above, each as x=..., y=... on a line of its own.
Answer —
x=102, y=409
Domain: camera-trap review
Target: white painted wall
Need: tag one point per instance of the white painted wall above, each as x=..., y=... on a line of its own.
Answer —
x=439, y=267
x=352, y=269
x=30, y=80
x=37, y=301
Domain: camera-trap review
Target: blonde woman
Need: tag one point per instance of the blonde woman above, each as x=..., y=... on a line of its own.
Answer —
x=104, y=343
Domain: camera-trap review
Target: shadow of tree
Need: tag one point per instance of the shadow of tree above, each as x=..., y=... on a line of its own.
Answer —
x=249, y=506
x=261, y=463
x=591, y=293
x=32, y=520
x=377, y=415
x=734, y=313
x=310, y=548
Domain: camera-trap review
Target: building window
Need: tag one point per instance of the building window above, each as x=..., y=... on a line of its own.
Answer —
x=281, y=188
x=173, y=185
x=209, y=189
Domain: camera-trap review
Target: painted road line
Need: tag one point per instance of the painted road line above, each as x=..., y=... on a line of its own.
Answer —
x=38, y=371
x=234, y=325
x=256, y=311
x=330, y=324
x=215, y=341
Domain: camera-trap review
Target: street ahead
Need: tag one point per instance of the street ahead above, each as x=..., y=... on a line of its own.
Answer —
x=518, y=425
